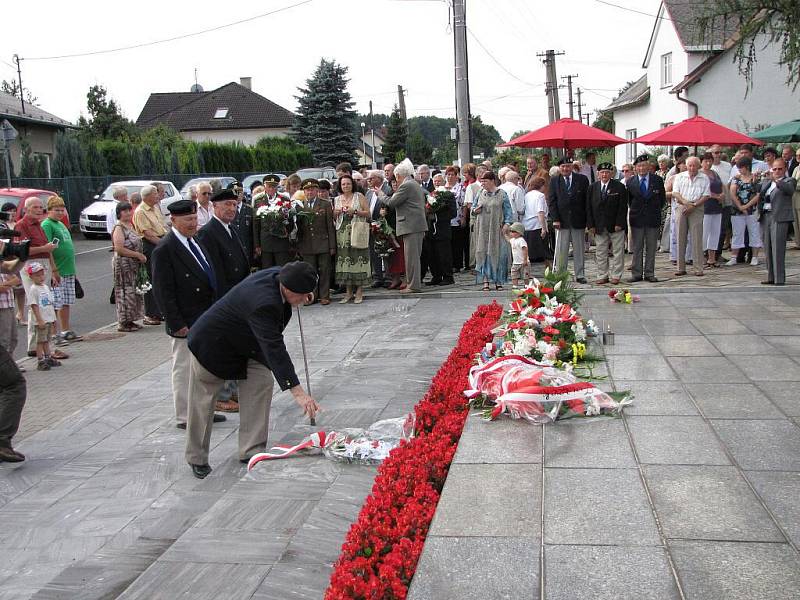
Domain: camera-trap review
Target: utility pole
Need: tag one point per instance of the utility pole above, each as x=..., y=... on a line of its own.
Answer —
x=580, y=114
x=401, y=101
x=570, y=102
x=462, y=82
x=551, y=85
x=372, y=127
x=19, y=80
x=587, y=118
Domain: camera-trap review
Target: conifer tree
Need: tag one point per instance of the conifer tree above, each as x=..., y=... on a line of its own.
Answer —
x=396, y=136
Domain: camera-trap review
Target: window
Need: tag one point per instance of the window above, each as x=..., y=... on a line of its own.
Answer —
x=666, y=69
x=667, y=124
x=221, y=113
x=630, y=149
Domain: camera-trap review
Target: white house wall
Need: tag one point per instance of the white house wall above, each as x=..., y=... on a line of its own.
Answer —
x=248, y=137
x=720, y=94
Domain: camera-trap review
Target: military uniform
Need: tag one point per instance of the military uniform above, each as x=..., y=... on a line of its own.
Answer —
x=317, y=239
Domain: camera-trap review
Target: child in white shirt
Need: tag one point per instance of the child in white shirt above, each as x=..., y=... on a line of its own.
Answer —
x=40, y=300
x=519, y=253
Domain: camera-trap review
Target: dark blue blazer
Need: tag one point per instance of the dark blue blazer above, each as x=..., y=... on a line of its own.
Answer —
x=228, y=256
x=568, y=207
x=645, y=211
x=247, y=323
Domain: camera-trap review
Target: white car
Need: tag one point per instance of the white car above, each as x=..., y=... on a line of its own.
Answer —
x=96, y=219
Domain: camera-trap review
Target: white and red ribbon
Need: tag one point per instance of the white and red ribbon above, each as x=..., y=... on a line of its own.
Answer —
x=315, y=440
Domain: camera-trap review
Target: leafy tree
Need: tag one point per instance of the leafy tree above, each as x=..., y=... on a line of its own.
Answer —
x=396, y=137
x=516, y=134
x=27, y=162
x=106, y=121
x=445, y=154
x=419, y=150
x=69, y=156
x=752, y=25
x=325, y=117
x=604, y=121
x=484, y=137
x=12, y=88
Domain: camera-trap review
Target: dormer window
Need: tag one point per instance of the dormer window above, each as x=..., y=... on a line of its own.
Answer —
x=221, y=113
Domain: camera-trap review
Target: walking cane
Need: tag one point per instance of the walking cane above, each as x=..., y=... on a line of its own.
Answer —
x=312, y=421
x=556, y=266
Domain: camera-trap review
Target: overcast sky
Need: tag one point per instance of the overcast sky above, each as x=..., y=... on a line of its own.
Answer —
x=383, y=42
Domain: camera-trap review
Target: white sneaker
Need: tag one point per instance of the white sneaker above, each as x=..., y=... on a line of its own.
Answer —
x=754, y=262
x=731, y=262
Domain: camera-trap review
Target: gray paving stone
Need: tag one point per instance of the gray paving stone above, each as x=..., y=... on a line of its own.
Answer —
x=732, y=401
x=640, y=368
x=781, y=493
x=597, y=506
x=775, y=368
x=631, y=344
x=708, y=503
x=787, y=344
x=762, y=445
x=648, y=312
x=726, y=326
x=197, y=580
x=566, y=444
x=685, y=345
x=306, y=582
x=502, y=441
x=772, y=327
x=706, y=369
x=608, y=573
x=509, y=569
x=737, y=571
x=670, y=327
x=474, y=495
x=675, y=441
x=782, y=395
x=742, y=345
x=657, y=398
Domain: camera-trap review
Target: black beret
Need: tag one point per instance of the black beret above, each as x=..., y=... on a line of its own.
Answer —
x=271, y=179
x=182, y=207
x=309, y=183
x=233, y=185
x=641, y=158
x=223, y=195
x=324, y=184
x=299, y=277
x=605, y=167
x=564, y=160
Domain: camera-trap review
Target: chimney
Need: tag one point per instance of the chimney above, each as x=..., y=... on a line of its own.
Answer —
x=246, y=82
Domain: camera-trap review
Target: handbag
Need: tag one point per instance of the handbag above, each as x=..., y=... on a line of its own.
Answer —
x=78, y=289
x=359, y=233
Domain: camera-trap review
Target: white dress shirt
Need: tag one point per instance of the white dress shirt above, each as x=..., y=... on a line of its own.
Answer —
x=186, y=241
x=224, y=224
x=203, y=215
x=690, y=189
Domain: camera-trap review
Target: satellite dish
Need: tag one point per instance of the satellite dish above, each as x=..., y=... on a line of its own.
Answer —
x=197, y=88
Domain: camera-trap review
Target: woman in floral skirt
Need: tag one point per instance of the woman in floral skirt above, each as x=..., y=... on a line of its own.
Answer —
x=126, y=261
x=352, y=264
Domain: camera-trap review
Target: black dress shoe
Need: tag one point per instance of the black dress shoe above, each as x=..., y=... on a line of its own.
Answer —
x=433, y=282
x=219, y=418
x=768, y=283
x=377, y=284
x=10, y=455
x=652, y=279
x=200, y=471
x=632, y=279
x=581, y=280
x=447, y=281
x=181, y=425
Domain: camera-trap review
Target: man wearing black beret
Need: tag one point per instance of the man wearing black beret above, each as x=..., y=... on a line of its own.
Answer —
x=241, y=337
x=185, y=285
x=229, y=258
x=567, y=200
x=646, y=196
x=607, y=219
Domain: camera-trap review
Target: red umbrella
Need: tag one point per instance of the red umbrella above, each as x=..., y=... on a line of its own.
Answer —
x=697, y=131
x=567, y=134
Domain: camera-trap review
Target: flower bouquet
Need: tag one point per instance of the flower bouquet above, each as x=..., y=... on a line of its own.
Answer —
x=278, y=216
x=143, y=284
x=622, y=296
x=438, y=200
x=383, y=238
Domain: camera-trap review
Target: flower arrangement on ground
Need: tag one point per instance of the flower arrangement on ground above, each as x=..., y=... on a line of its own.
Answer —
x=382, y=548
x=622, y=296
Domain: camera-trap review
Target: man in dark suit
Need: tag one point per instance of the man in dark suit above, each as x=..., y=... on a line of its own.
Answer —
x=567, y=204
x=425, y=179
x=185, y=285
x=243, y=224
x=376, y=194
x=241, y=337
x=646, y=196
x=607, y=219
x=777, y=190
x=439, y=238
x=218, y=237
x=788, y=156
x=317, y=239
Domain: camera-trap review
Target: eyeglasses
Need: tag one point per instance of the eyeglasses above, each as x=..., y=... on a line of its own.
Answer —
x=716, y=153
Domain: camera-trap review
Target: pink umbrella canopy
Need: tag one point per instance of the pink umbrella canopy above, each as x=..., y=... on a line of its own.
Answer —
x=567, y=134
x=696, y=131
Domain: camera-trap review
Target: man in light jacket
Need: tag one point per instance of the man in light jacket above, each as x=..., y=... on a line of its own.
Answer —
x=409, y=204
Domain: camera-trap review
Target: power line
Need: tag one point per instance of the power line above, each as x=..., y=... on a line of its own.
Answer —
x=172, y=39
x=497, y=62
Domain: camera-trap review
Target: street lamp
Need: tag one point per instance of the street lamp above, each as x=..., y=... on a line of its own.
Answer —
x=364, y=143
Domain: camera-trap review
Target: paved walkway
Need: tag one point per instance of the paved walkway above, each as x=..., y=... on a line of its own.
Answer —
x=694, y=494
x=106, y=506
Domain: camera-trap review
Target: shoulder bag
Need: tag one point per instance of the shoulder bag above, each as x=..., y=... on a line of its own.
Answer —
x=359, y=229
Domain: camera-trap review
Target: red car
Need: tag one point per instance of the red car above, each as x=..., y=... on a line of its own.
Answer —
x=17, y=196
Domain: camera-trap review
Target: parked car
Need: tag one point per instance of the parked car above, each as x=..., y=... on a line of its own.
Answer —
x=328, y=173
x=16, y=196
x=94, y=218
x=224, y=181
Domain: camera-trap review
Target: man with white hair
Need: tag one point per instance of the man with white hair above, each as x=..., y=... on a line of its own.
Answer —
x=120, y=194
x=204, y=209
x=424, y=177
x=515, y=193
x=690, y=189
x=409, y=204
x=149, y=224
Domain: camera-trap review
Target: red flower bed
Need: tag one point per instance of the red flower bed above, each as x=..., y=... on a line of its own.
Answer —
x=382, y=548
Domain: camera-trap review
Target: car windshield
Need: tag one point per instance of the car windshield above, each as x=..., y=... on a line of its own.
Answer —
x=107, y=195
